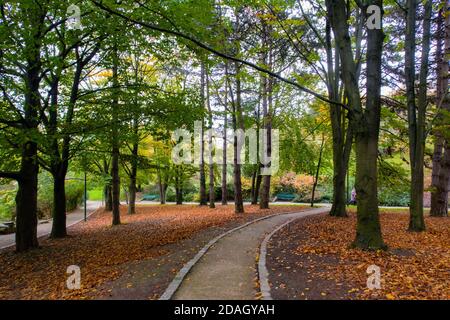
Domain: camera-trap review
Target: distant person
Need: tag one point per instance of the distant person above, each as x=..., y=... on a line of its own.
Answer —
x=353, y=197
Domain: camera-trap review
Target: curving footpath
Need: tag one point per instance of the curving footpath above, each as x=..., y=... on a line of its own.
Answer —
x=225, y=268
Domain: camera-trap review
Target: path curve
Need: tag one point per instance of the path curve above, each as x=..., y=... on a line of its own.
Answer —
x=44, y=229
x=225, y=268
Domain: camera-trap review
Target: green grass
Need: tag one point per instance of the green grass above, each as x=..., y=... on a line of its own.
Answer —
x=95, y=194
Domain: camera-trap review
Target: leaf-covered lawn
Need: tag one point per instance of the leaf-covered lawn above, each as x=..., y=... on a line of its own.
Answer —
x=99, y=249
x=416, y=266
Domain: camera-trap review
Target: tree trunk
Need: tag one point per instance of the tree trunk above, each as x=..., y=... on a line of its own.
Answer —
x=203, y=197
x=416, y=114
x=316, y=178
x=133, y=178
x=132, y=195
x=237, y=122
x=267, y=85
x=364, y=122
x=224, y=160
x=26, y=200
x=115, y=143
x=212, y=194
x=255, y=172
x=108, y=197
x=441, y=155
x=162, y=192
x=440, y=205
x=59, y=206
x=341, y=147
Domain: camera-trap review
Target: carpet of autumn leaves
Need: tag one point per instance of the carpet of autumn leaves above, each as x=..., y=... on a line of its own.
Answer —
x=99, y=249
x=416, y=266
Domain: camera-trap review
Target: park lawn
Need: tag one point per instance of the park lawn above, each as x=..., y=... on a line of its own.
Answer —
x=99, y=249
x=312, y=259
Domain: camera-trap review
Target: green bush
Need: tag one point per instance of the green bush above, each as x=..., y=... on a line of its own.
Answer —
x=74, y=195
x=7, y=204
x=393, y=197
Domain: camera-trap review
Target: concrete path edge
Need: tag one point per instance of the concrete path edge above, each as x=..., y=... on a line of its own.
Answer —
x=176, y=282
x=263, y=273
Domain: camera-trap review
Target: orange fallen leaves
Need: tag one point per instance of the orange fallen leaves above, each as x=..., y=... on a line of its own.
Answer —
x=99, y=249
x=416, y=266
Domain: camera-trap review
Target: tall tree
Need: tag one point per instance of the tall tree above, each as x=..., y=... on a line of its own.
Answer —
x=416, y=110
x=115, y=143
x=441, y=156
x=365, y=122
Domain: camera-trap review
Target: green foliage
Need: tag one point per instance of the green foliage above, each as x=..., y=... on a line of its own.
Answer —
x=74, y=195
x=7, y=203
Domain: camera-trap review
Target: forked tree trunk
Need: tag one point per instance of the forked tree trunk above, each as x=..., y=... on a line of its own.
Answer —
x=364, y=122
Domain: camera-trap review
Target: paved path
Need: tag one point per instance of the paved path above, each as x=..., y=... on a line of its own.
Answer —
x=227, y=270
x=44, y=229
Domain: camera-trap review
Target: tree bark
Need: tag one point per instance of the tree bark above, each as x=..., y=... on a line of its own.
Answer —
x=267, y=86
x=224, y=157
x=316, y=178
x=441, y=155
x=26, y=200
x=115, y=143
x=341, y=146
x=364, y=122
x=212, y=194
x=26, y=197
x=203, y=197
x=59, y=205
x=133, y=177
x=416, y=113
x=238, y=122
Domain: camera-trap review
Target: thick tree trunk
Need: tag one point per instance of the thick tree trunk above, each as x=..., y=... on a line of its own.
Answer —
x=26, y=197
x=364, y=122
x=59, y=205
x=26, y=200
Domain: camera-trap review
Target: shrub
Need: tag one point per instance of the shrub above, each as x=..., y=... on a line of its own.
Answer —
x=7, y=204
